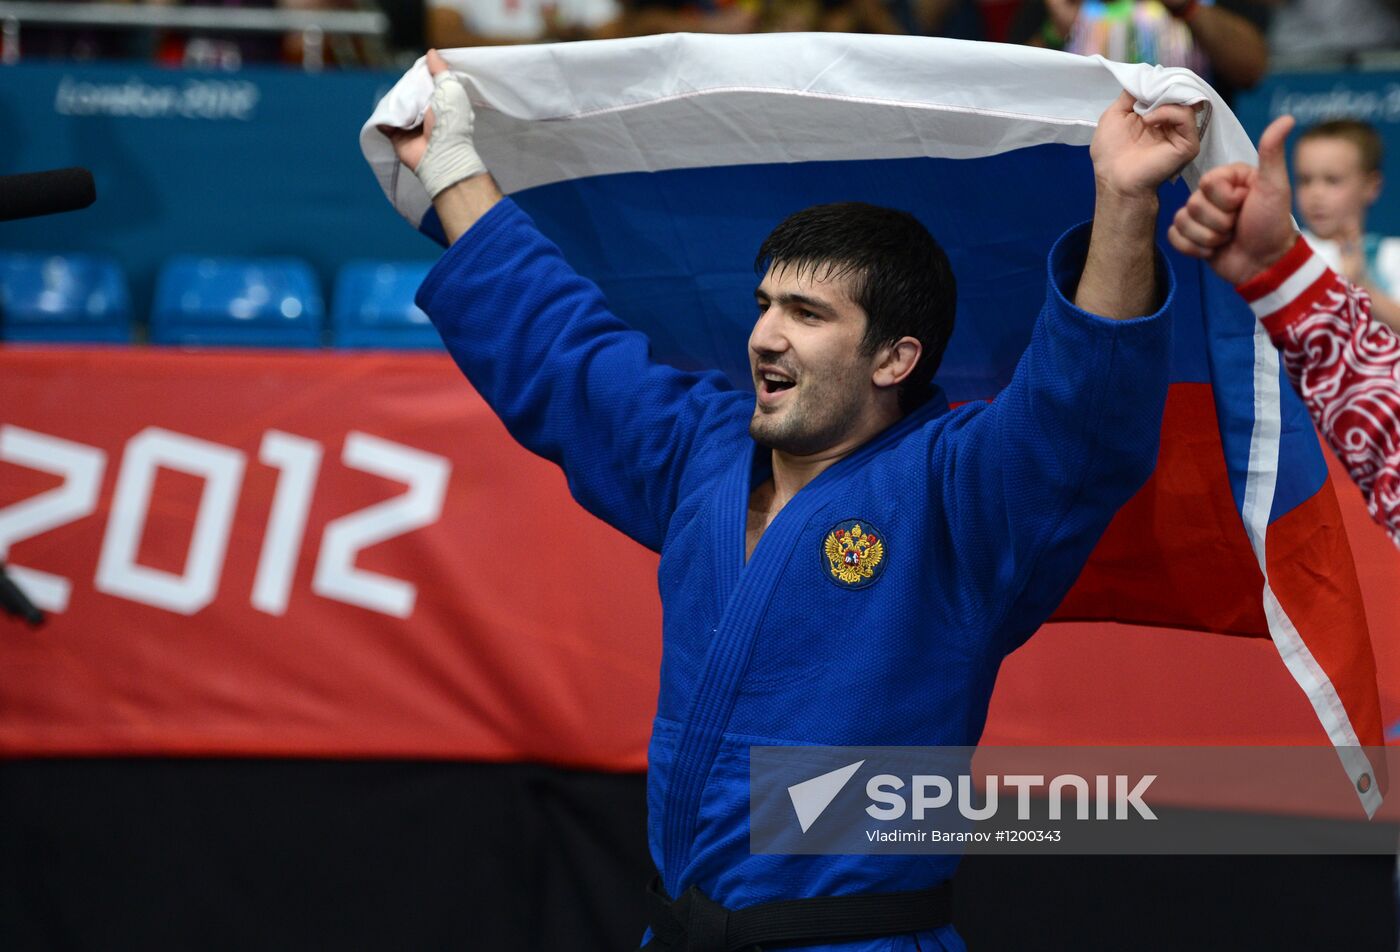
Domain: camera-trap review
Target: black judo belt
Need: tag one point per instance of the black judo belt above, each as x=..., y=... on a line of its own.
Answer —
x=696, y=923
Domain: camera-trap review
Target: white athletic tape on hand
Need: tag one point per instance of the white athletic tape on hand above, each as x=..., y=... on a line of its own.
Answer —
x=451, y=156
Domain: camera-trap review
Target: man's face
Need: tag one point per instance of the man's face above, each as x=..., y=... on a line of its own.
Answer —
x=813, y=383
x=1333, y=189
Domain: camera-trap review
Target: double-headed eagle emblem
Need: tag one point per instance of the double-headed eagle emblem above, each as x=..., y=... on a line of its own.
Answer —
x=854, y=553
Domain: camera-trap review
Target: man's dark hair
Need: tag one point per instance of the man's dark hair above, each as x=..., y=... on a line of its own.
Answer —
x=899, y=276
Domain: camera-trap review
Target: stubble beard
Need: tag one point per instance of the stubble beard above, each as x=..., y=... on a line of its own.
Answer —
x=813, y=422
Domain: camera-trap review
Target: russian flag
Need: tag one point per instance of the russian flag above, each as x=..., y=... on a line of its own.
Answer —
x=659, y=164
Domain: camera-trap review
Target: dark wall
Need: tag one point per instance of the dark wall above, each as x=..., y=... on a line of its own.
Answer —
x=1177, y=902
x=132, y=854
x=244, y=855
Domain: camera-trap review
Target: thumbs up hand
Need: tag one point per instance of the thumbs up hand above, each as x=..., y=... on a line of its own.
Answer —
x=1238, y=218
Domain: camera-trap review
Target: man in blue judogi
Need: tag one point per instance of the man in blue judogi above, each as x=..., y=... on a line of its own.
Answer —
x=844, y=559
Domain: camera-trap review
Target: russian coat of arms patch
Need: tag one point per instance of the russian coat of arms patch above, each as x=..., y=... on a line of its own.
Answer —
x=854, y=552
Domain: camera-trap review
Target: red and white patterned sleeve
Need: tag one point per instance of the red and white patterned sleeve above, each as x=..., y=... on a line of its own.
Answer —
x=1345, y=366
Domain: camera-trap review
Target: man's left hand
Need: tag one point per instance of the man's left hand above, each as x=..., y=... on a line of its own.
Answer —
x=1134, y=154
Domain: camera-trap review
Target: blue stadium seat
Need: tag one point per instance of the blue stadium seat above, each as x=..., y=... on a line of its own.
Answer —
x=243, y=302
x=73, y=298
x=374, y=307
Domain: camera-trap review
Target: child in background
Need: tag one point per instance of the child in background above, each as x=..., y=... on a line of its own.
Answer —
x=1337, y=174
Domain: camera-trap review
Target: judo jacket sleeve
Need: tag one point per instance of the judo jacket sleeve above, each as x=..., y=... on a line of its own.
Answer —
x=1345, y=366
x=1031, y=480
x=571, y=381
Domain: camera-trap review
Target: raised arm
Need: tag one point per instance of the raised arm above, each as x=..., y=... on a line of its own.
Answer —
x=570, y=380
x=1235, y=47
x=443, y=155
x=1132, y=156
x=1043, y=468
x=1344, y=364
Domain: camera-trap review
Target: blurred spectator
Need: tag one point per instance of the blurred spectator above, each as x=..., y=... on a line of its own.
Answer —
x=83, y=44
x=1337, y=175
x=1220, y=40
x=230, y=50
x=1305, y=28
x=865, y=16
x=203, y=49
x=334, y=49
x=408, y=27
x=966, y=19
x=646, y=17
x=836, y=17
x=839, y=16
x=455, y=23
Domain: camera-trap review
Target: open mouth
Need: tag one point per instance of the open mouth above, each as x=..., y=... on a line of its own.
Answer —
x=772, y=384
x=774, y=381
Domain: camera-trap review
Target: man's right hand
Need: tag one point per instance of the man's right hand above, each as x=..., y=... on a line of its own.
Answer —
x=1238, y=218
x=440, y=151
x=441, y=154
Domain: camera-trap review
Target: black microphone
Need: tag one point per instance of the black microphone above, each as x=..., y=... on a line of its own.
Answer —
x=45, y=193
x=15, y=602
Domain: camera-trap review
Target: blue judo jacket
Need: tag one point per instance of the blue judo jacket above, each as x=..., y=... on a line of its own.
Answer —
x=984, y=516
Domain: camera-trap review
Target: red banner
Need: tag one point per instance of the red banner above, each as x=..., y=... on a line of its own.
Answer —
x=305, y=554
x=345, y=555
